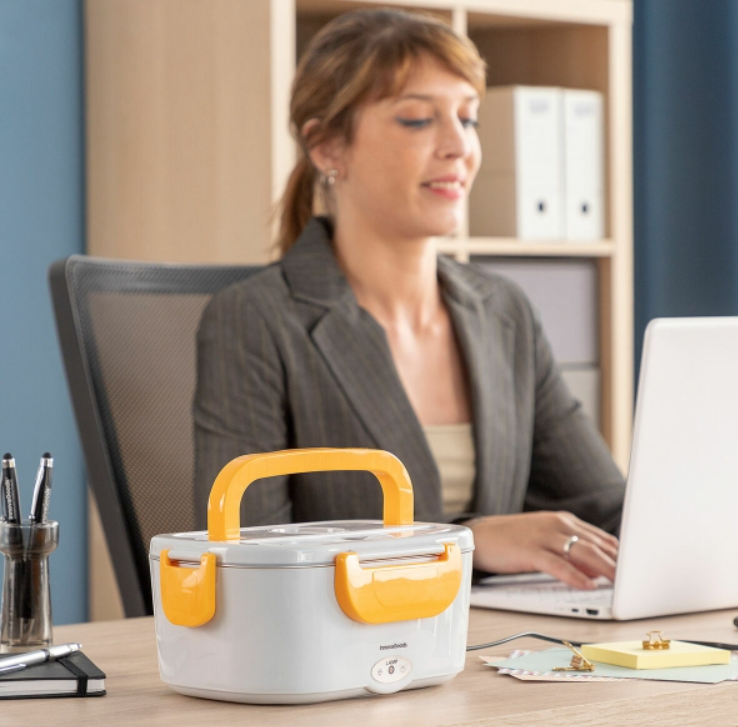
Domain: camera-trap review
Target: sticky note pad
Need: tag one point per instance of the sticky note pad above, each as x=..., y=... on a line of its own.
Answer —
x=632, y=655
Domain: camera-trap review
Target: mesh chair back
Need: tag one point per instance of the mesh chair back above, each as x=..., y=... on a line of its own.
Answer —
x=127, y=332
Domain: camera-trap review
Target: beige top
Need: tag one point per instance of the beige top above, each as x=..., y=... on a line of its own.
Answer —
x=452, y=446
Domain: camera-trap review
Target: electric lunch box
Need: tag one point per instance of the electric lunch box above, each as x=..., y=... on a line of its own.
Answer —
x=310, y=612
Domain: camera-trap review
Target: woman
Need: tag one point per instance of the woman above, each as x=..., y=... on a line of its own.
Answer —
x=362, y=337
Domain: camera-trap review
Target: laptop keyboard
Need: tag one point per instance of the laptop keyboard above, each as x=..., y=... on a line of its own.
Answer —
x=546, y=592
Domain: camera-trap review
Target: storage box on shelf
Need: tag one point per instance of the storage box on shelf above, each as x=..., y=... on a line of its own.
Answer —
x=564, y=292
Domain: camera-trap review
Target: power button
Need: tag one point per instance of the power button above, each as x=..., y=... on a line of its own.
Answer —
x=391, y=669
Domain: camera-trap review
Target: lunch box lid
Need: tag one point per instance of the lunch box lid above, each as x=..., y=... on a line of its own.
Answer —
x=315, y=543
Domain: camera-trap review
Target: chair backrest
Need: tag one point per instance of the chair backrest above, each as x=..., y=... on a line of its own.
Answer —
x=128, y=337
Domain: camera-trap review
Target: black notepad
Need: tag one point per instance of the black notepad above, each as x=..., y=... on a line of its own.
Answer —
x=71, y=676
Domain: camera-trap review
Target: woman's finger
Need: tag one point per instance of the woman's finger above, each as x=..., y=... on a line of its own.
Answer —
x=603, y=545
x=571, y=525
x=564, y=570
x=599, y=535
x=593, y=560
x=569, y=520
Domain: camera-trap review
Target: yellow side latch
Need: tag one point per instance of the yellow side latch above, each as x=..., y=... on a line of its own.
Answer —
x=187, y=594
x=397, y=592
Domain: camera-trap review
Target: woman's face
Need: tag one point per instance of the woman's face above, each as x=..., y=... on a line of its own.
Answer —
x=413, y=157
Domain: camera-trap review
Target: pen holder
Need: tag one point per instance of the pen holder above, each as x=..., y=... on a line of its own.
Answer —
x=25, y=622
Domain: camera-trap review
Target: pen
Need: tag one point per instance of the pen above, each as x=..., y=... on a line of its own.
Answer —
x=712, y=644
x=10, y=498
x=39, y=511
x=11, y=512
x=42, y=490
x=21, y=661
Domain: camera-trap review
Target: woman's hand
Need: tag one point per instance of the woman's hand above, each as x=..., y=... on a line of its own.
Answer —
x=536, y=541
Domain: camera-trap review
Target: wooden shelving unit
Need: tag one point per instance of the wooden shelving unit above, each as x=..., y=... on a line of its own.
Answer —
x=462, y=248
x=188, y=148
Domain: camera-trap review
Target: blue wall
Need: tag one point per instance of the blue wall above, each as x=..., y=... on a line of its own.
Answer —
x=685, y=73
x=41, y=220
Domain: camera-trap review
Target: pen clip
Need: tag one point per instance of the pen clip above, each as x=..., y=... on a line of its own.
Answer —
x=9, y=669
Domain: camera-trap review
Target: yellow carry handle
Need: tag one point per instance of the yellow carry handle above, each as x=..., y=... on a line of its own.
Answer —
x=376, y=595
x=224, y=506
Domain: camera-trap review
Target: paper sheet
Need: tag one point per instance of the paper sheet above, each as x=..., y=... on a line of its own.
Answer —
x=538, y=666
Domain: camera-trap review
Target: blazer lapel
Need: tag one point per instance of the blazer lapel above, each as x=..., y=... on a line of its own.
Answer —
x=486, y=340
x=355, y=349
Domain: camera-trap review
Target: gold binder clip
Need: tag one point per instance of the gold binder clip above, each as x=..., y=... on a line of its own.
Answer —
x=656, y=641
x=579, y=662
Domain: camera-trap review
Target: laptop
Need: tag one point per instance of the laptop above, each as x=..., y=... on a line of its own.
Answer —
x=679, y=533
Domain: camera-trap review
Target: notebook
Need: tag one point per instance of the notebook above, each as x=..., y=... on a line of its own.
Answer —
x=678, y=540
x=71, y=676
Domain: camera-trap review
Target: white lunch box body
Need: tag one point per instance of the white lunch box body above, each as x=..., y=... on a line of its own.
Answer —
x=314, y=611
x=279, y=635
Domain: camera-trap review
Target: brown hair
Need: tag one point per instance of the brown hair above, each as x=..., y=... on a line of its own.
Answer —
x=360, y=56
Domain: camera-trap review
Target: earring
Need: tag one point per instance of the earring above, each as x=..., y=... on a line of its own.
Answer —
x=330, y=177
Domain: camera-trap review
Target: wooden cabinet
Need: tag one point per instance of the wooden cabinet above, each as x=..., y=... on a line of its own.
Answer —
x=188, y=147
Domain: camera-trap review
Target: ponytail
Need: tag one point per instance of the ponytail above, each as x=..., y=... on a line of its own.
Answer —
x=297, y=203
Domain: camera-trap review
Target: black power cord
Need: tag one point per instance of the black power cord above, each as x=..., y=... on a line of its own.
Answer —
x=554, y=640
x=524, y=635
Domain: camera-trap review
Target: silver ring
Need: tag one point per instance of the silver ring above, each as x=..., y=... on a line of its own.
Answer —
x=567, y=545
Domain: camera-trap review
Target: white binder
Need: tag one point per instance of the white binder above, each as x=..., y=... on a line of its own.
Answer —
x=518, y=192
x=584, y=165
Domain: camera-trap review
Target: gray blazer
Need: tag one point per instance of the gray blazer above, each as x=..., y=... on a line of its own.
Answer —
x=287, y=358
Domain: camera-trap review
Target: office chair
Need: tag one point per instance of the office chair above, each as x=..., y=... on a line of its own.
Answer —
x=127, y=335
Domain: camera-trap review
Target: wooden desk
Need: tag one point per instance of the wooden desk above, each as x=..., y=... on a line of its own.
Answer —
x=126, y=651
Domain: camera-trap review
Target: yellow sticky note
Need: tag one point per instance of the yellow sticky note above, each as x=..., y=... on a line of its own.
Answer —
x=632, y=655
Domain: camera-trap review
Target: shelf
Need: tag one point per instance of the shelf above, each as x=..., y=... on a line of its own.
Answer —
x=331, y=8
x=497, y=13
x=511, y=247
x=501, y=13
